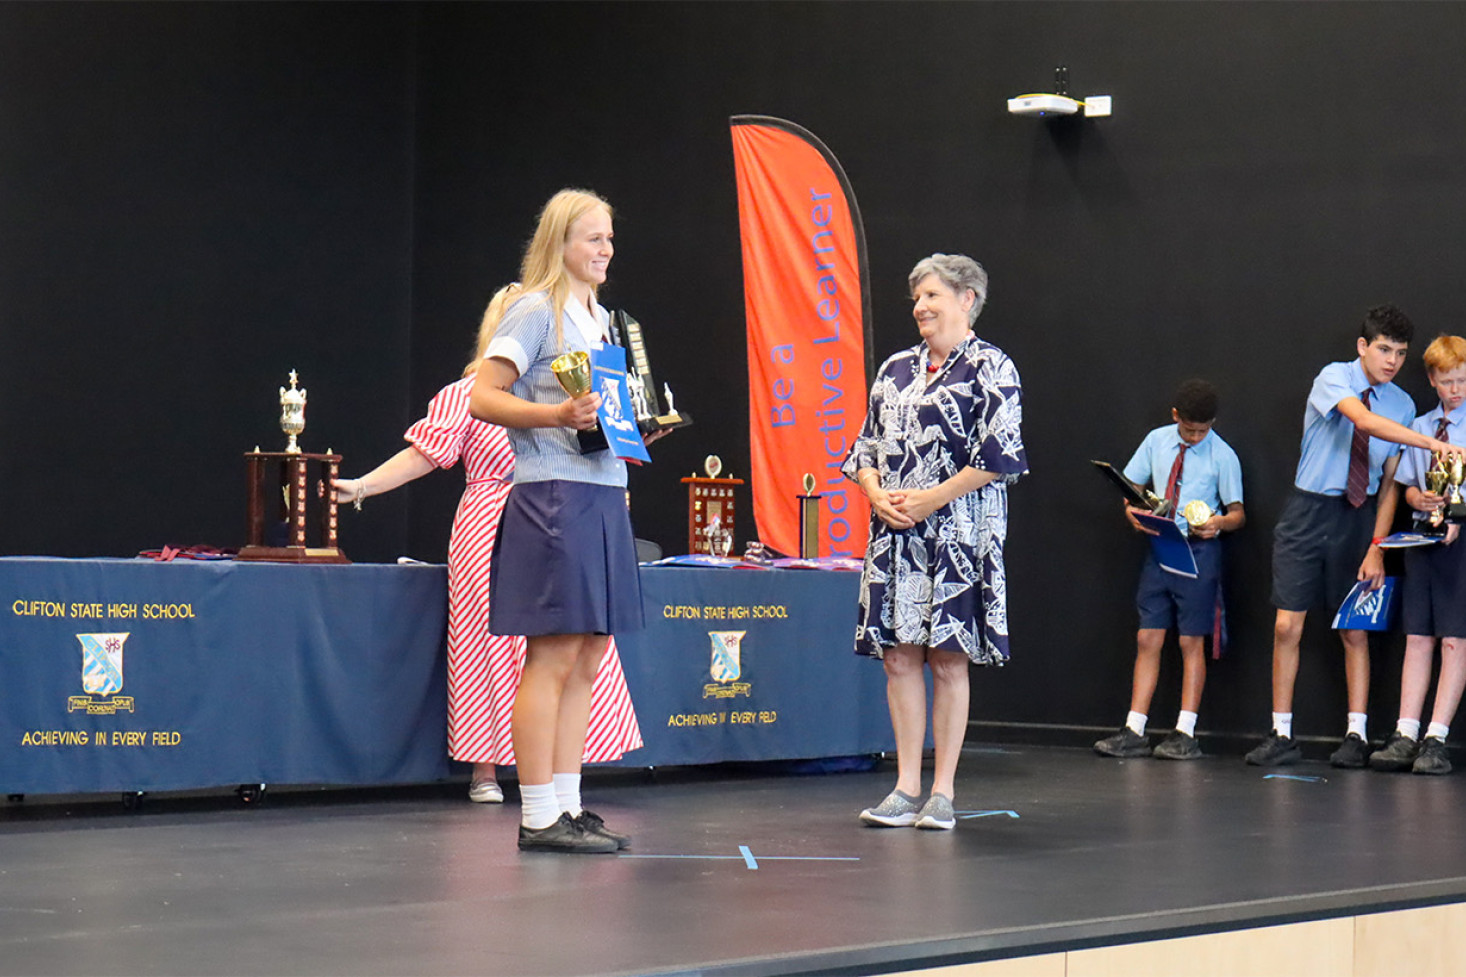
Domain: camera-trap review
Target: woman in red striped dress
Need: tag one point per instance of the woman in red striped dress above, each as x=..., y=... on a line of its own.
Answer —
x=484, y=669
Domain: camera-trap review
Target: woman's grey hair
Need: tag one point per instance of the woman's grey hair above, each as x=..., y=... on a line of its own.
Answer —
x=959, y=273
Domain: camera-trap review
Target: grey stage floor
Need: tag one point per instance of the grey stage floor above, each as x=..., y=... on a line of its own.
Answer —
x=733, y=871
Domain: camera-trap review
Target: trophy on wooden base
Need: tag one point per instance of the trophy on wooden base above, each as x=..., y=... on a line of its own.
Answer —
x=710, y=510
x=286, y=538
x=809, y=520
x=652, y=413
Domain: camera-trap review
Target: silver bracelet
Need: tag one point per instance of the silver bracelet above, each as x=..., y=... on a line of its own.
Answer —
x=360, y=494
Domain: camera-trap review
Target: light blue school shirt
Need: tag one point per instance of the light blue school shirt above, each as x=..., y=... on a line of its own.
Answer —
x=1323, y=463
x=1414, y=462
x=1211, y=471
x=526, y=338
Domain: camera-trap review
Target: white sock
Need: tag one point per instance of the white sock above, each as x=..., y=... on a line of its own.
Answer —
x=1186, y=723
x=1136, y=721
x=1438, y=730
x=1283, y=724
x=539, y=807
x=567, y=792
x=1408, y=728
x=1358, y=723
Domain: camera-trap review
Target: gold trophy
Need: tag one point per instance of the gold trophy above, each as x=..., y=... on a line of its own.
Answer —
x=1437, y=478
x=1197, y=513
x=292, y=413
x=1455, y=505
x=574, y=373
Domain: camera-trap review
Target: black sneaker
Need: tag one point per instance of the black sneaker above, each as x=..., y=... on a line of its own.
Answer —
x=591, y=823
x=1398, y=754
x=1352, y=754
x=1126, y=743
x=1433, y=758
x=565, y=836
x=1275, y=751
x=1178, y=746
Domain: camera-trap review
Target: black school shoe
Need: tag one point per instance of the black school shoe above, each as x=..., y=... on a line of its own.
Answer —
x=591, y=823
x=1352, y=754
x=1275, y=751
x=1434, y=757
x=1398, y=754
x=1178, y=746
x=1126, y=743
x=567, y=837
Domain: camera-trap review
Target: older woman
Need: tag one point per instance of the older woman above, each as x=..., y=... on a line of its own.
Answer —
x=940, y=445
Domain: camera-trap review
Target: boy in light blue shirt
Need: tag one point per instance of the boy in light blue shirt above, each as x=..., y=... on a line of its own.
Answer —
x=1190, y=463
x=1354, y=422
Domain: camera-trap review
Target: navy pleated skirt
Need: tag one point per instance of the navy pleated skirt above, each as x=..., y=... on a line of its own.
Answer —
x=565, y=562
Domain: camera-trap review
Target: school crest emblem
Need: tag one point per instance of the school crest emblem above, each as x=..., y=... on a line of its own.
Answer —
x=727, y=665
x=101, y=662
x=101, y=674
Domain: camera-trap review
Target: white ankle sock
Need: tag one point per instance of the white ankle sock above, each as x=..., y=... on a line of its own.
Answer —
x=1186, y=723
x=1136, y=722
x=540, y=809
x=1283, y=724
x=1408, y=728
x=567, y=792
x=1438, y=730
x=1359, y=723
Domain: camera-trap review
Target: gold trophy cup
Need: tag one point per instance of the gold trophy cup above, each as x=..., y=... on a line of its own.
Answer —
x=292, y=413
x=1437, y=478
x=574, y=373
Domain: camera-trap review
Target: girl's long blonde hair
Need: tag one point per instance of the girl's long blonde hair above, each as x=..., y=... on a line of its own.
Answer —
x=543, y=268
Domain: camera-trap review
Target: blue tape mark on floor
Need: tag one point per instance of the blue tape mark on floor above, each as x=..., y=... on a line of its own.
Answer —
x=746, y=856
x=1285, y=776
x=969, y=815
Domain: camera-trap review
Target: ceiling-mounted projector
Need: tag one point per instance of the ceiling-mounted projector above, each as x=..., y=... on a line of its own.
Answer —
x=1059, y=103
x=1043, y=105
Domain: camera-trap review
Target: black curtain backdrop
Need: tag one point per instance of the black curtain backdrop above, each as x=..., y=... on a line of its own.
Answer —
x=197, y=198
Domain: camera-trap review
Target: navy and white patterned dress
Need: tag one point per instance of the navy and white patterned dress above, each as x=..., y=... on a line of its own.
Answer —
x=941, y=583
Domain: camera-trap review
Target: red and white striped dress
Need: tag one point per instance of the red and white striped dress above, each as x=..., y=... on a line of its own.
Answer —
x=484, y=669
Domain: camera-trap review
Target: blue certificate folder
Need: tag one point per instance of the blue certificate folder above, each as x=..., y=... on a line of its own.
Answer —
x=1367, y=610
x=608, y=378
x=1171, y=550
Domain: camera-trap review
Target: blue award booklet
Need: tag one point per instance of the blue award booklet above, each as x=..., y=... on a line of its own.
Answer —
x=1399, y=541
x=608, y=378
x=1367, y=610
x=1171, y=550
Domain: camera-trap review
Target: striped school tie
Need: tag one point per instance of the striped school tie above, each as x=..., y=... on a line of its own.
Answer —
x=1357, y=486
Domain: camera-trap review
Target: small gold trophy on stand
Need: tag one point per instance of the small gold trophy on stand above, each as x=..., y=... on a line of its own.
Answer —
x=809, y=520
x=1437, y=479
x=573, y=370
x=1455, y=507
x=294, y=482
